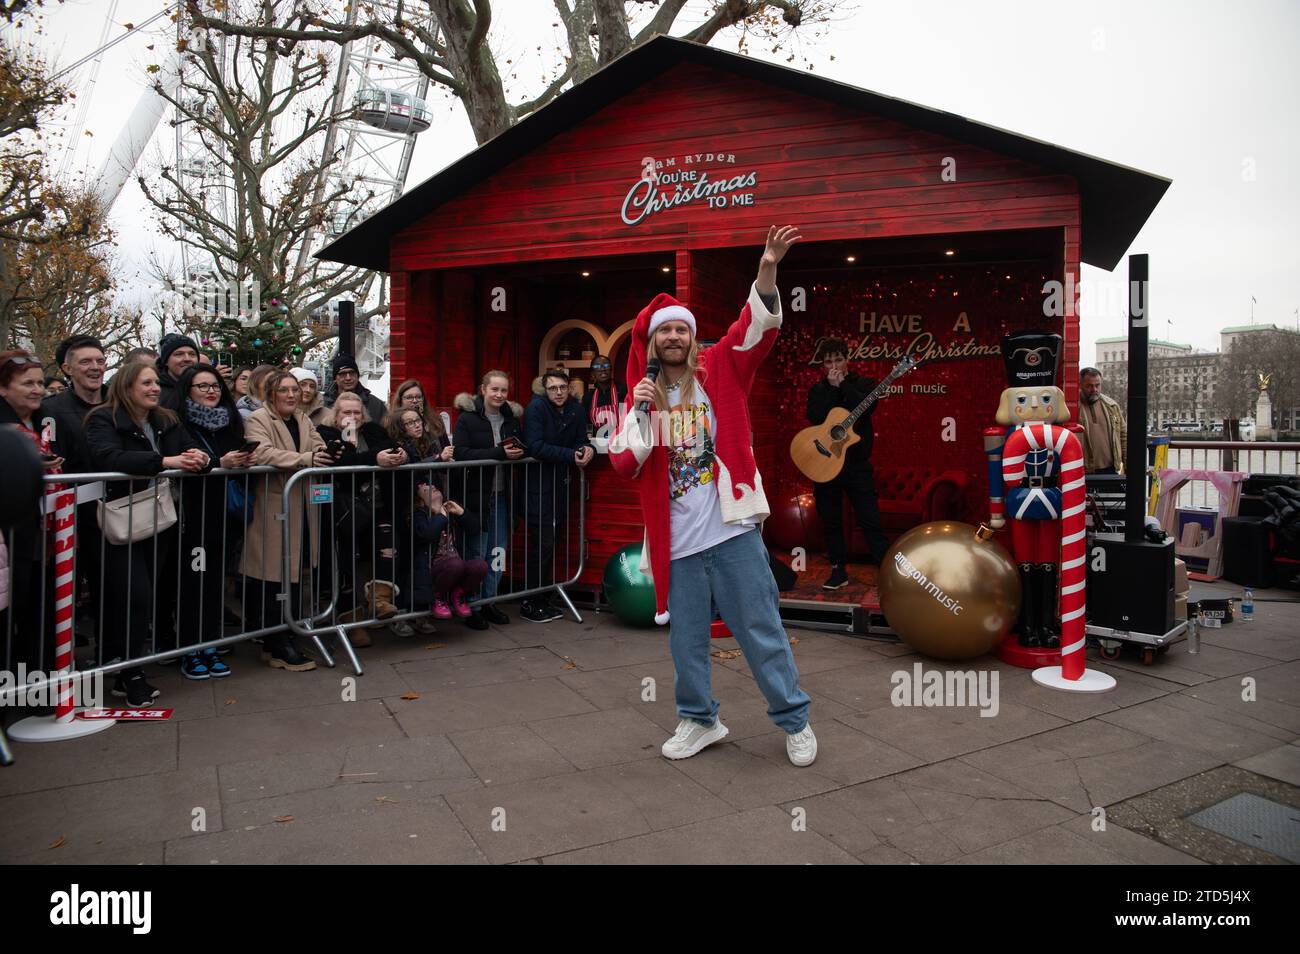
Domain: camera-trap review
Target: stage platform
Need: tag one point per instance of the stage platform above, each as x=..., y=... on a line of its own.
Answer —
x=852, y=609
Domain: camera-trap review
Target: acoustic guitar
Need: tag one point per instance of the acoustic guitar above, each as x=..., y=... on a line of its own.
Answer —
x=818, y=451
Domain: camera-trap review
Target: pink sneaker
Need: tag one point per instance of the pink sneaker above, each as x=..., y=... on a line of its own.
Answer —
x=459, y=602
x=440, y=608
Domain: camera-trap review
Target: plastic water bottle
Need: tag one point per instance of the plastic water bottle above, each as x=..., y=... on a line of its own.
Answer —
x=1248, y=606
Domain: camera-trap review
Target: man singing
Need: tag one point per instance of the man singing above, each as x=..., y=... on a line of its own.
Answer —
x=702, y=500
x=844, y=388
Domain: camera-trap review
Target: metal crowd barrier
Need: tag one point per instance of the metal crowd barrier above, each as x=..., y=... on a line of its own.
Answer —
x=168, y=595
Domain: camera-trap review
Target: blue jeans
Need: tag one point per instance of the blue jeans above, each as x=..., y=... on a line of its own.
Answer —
x=495, y=533
x=735, y=576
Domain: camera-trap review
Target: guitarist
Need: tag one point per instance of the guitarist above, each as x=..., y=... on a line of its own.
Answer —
x=844, y=388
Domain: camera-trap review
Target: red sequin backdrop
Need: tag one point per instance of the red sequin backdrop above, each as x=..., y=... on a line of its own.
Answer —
x=920, y=308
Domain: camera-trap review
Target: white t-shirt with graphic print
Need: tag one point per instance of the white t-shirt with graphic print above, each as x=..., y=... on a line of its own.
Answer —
x=693, y=504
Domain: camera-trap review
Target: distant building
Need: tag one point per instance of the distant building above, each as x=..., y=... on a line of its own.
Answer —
x=1183, y=382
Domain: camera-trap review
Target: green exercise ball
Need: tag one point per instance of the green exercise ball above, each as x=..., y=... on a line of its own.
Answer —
x=630, y=592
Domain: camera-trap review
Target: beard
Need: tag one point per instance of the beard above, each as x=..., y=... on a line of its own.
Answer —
x=1092, y=398
x=674, y=358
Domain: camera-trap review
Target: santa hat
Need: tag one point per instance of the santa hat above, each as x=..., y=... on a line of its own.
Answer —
x=673, y=310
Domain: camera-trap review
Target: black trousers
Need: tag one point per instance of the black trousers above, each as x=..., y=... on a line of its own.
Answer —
x=540, y=557
x=858, y=481
x=136, y=605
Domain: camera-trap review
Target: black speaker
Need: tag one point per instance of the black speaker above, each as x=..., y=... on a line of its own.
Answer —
x=1131, y=585
x=1247, y=552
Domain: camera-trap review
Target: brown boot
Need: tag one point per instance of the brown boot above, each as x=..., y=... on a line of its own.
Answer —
x=379, y=598
x=360, y=636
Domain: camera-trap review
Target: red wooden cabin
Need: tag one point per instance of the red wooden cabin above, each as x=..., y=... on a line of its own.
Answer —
x=924, y=231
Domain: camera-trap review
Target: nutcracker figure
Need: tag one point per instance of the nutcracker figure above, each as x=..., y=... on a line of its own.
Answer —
x=1036, y=479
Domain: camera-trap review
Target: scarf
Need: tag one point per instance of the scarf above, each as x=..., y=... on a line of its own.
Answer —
x=208, y=418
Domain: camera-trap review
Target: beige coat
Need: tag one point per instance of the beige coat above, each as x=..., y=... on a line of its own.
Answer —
x=1118, y=435
x=264, y=543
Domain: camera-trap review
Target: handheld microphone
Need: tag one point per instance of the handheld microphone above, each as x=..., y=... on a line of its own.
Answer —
x=651, y=372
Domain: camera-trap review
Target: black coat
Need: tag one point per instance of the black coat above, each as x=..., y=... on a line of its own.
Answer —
x=169, y=396
x=364, y=494
x=203, y=501
x=849, y=394
x=69, y=415
x=26, y=540
x=473, y=440
x=551, y=435
x=116, y=443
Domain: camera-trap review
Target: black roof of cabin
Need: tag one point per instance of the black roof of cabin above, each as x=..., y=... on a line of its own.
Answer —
x=1115, y=200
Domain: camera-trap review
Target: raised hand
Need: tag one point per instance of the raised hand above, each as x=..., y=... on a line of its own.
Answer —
x=779, y=241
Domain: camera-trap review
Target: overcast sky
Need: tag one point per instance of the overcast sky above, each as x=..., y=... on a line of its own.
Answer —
x=1200, y=92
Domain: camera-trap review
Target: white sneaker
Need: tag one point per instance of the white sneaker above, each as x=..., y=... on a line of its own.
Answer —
x=802, y=747
x=691, y=737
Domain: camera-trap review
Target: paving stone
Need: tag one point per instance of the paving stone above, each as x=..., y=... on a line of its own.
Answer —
x=1128, y=845
x=1046, y=846
x=124, y=751
x=938, y=733
x=614, y=650
x=1197, y=725
x=602, y=738
x=665, y=797
x=863, y=687
x=267, y=689
x=279, y=774
x=109, y=815
x=480, y=669
x=417, y=832
x=545, y=816
x=625, y=685
x=503, y=754
x=1282, y=763
x=843, y=753
x=1131, y=687
x=65, y=854
x=1091, y=764
x=426, y=759
x=478, y=707
x=1272, y=688
x=1178, y=665
x=341, y=801
x=261, y=734
x=761, y=836
x=746, y=780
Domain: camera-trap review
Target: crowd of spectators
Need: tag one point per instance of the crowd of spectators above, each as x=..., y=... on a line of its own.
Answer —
x=384, y=542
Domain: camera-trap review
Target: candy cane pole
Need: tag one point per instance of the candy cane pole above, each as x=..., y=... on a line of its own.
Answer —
x=63, y=724
x=1071, y=674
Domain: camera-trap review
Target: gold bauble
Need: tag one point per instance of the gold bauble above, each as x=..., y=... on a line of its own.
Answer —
x=949, y=590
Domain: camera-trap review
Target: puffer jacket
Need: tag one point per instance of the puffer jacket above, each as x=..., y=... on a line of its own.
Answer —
x=472, y=440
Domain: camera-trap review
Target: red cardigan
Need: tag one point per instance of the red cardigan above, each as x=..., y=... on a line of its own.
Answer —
x=726, y=372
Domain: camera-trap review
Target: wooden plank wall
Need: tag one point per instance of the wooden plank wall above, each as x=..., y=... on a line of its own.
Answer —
x=837, y=173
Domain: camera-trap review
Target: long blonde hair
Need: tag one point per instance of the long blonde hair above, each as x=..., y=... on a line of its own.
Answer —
x=687, y=380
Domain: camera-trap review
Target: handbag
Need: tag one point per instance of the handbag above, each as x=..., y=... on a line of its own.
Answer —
x=239, y=502
x=139, y=516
